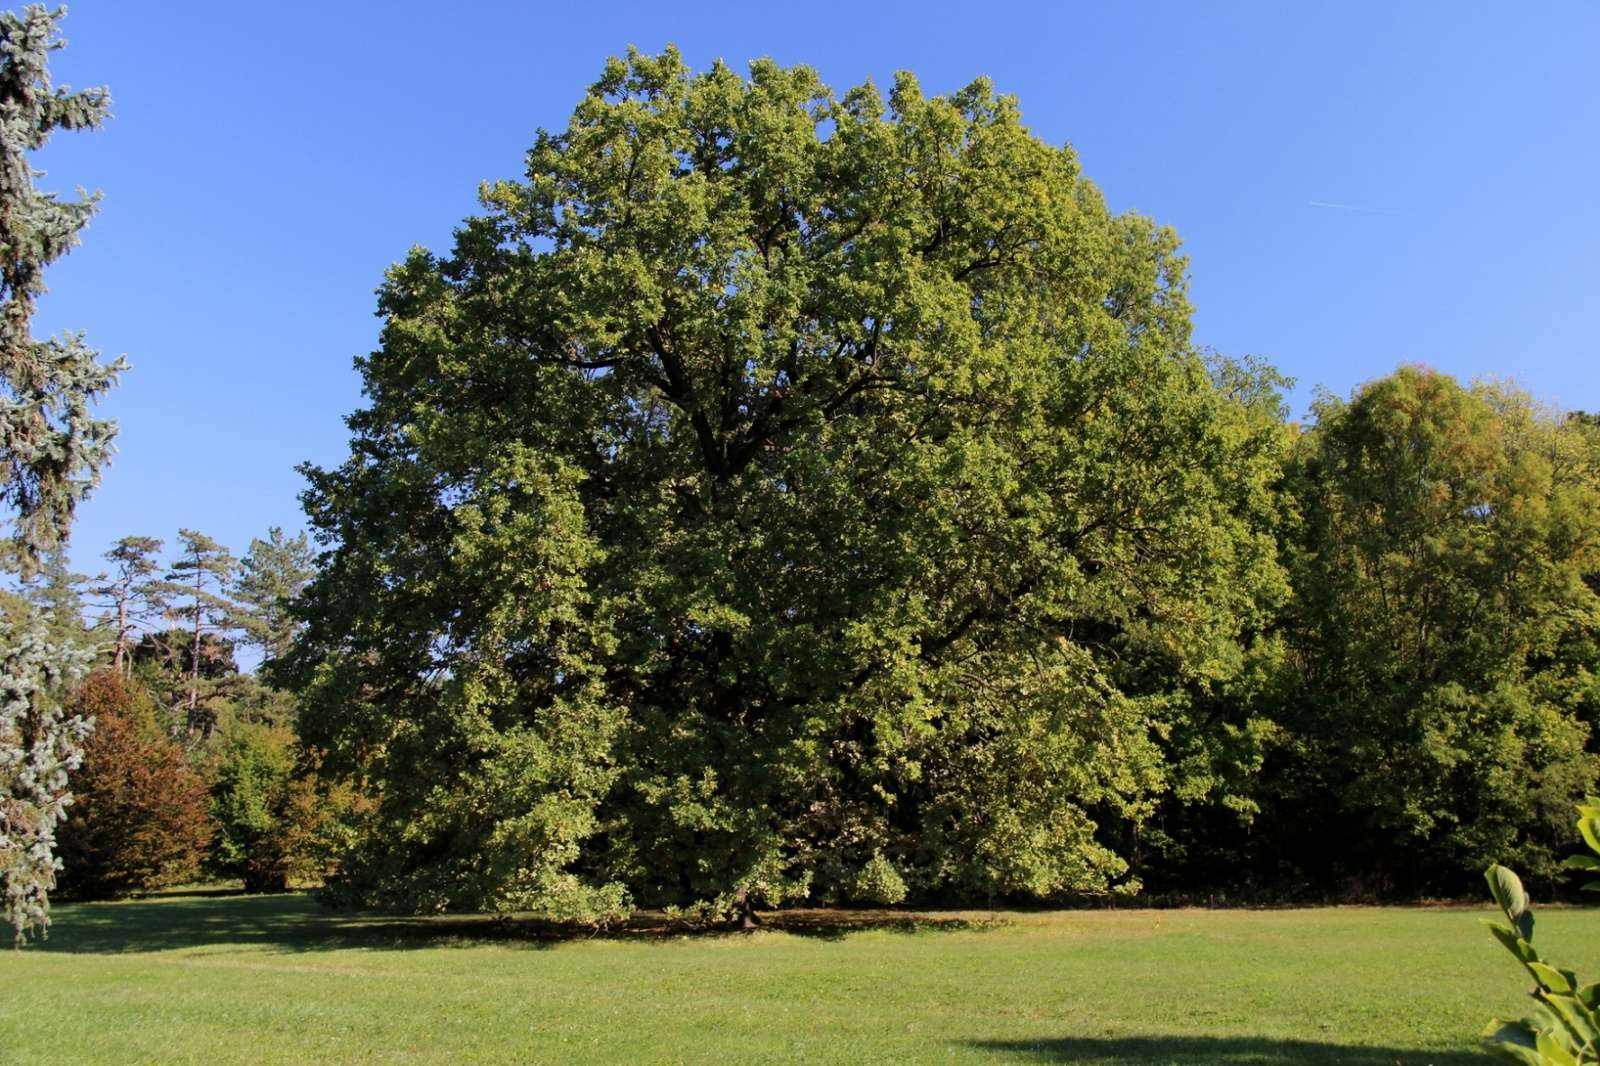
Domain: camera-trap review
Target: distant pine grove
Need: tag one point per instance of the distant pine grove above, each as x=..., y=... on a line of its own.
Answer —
x=783, y=498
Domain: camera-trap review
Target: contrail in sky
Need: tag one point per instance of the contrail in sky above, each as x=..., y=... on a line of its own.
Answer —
x=1347, y=207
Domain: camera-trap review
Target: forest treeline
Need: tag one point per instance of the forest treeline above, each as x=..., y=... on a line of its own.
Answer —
x=778, y=496
x=1418, y=688
x=191, y=770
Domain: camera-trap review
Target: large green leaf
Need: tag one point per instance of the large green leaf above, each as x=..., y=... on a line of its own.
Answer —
x=1513, y=943
x=1552, y=1051
x=1577, y=1018
x=1506, y=887
x=1583, y=862
x=1550, y=978
x=1589, y=826
x=1515, y=1041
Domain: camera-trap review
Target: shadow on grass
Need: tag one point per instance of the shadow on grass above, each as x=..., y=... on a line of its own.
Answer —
x=837, y=924
x=1218, y=1051
x=295, y=922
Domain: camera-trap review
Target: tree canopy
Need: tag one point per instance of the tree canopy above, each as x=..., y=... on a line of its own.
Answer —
x=1428, y=695
x=779, y=494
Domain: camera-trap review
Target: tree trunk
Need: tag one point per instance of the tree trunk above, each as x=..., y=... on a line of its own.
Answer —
x=748, y=918
x=124, y=657
x=194, y=660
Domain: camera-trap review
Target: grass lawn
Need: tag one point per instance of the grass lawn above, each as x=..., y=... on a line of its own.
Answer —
x=250, y=979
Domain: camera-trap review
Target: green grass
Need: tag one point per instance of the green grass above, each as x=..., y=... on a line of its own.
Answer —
x=276, y=980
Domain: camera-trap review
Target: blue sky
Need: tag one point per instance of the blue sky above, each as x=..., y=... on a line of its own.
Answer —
x=267, y=162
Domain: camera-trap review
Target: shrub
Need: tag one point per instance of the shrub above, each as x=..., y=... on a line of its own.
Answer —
x=276, y=827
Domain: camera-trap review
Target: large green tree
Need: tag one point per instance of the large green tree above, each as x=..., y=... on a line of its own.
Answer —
x=1433, y=700
x=51, y=452
x=778, y=494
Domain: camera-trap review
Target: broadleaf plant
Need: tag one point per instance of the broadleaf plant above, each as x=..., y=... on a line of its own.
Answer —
x=1564, y=1029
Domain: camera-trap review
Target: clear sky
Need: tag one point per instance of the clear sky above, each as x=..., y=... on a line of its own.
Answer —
x=1358, y=185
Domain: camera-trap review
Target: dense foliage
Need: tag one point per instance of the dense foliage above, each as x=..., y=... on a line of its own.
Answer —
x=778, y=495
x=782, y=496
x=159, y=800
x=275, y=827
x=1432, y=693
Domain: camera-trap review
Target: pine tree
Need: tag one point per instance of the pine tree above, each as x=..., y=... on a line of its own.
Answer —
x=51, y=454
x=57, y=597
x=200, y=576
x=129, y=594
x=272, y=573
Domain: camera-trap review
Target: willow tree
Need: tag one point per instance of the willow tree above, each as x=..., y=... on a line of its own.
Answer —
x=776, y=494
x=51, y=453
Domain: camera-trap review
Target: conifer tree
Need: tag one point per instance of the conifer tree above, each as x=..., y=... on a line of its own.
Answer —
x=200, y=576
x=129, y=593
x=53, y=448
x=56, y=594
x=51, y=454
x=141, y=818
x=272, y=573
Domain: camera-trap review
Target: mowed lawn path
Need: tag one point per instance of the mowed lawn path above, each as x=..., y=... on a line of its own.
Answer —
x=278, y=980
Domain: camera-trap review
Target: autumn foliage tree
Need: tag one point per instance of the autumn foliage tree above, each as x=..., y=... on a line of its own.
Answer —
x=275, y=825
x=141, y=816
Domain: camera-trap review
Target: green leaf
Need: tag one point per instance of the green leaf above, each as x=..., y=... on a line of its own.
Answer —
x=1552, y=1051
x=1515, y=1041
x=1550, y=978
x=1582, y=862
x=1513, y=943
x=1590, y=828
x=1576, y=1016
x=1592, y=886
x=1506, y=887
x=1589, y=996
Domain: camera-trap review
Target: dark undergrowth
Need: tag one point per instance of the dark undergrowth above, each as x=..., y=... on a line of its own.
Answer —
x=295, y=922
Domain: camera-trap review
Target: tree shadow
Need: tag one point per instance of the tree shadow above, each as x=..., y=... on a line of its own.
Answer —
x=837, y=924
x=290, y=922
x=1219, y=1051
x=296, y=922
